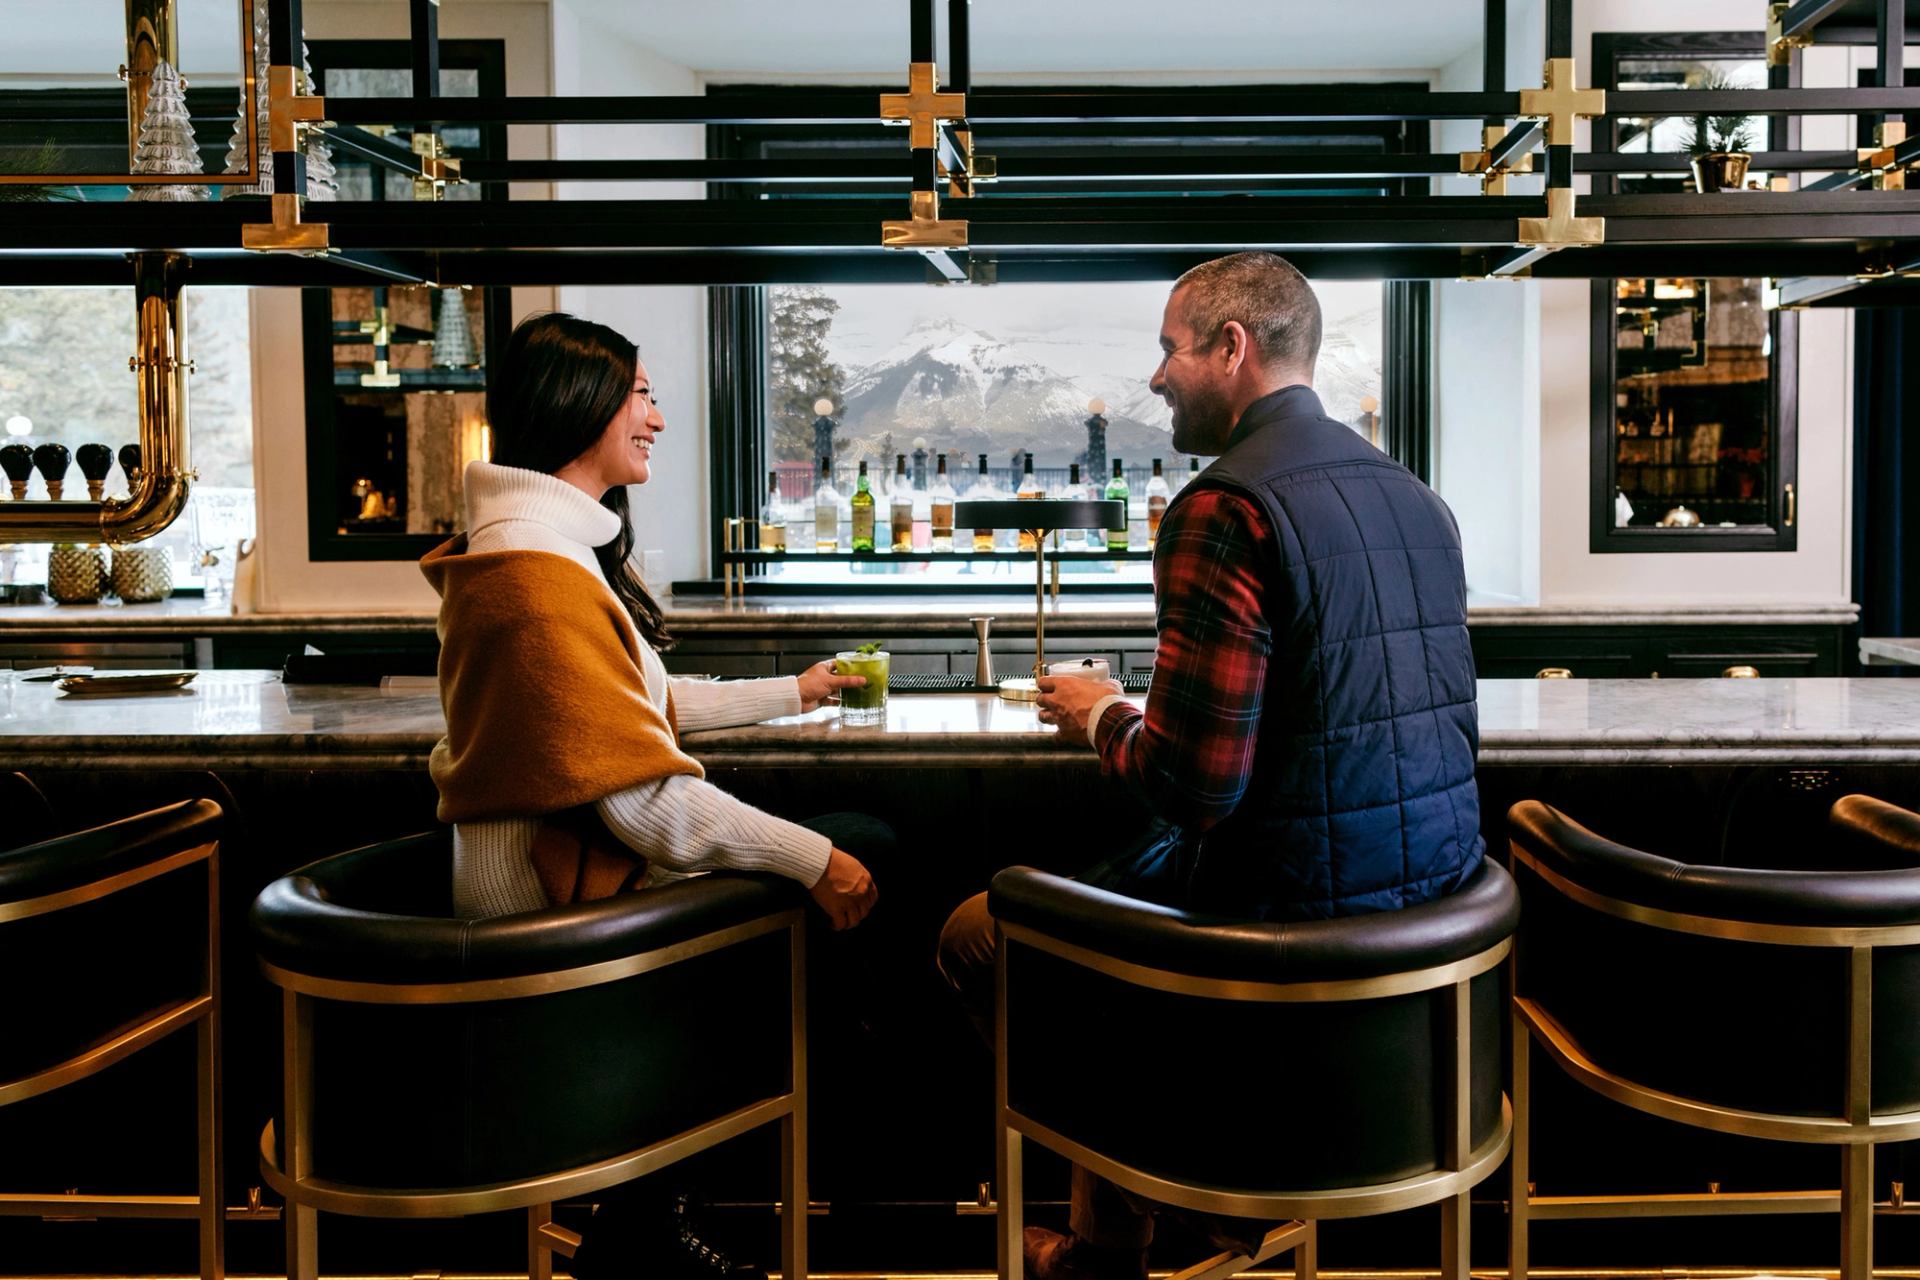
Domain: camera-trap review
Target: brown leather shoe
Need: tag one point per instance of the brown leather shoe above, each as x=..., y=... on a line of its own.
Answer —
x=1052, y=1256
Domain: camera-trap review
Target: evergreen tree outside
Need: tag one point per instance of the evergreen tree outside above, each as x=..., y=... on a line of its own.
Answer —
x=799, y=368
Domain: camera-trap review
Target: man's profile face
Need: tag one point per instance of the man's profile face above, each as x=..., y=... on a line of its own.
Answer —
x=1191, y=384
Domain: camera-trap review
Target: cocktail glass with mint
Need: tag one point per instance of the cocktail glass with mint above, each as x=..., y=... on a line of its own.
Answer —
x=867, y=703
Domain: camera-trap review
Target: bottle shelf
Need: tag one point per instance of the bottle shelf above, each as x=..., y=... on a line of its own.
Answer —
x=348, y=379
x=910, y=557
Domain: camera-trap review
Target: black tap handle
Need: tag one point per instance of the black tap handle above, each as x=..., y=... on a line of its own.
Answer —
x=129, y=458
x=17, y=461
x=95, y=460
x=52, y=459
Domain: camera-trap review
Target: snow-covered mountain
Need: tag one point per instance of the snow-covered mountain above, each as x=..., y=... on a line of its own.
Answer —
x=965, y=389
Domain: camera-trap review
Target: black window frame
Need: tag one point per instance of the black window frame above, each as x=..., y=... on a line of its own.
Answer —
x=1781, y=532
x=737, y=362
x=325, y=541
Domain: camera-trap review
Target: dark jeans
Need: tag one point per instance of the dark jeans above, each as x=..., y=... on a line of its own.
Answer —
x=633, y=1223
x=1155, y=868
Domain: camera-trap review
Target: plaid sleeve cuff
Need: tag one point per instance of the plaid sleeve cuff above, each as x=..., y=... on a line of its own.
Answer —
x=1100, y=726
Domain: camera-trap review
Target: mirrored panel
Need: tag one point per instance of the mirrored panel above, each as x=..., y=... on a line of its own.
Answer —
x=96, y=92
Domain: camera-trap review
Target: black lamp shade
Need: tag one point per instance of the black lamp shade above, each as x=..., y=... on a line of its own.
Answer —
x=1041, y=513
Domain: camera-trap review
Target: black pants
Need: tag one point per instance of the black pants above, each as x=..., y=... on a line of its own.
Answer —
x=847, y=995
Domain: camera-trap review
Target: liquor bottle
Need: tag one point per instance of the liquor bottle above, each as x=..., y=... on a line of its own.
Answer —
x=1074, y=539
x=826, y=510
x=1029, y=490
x=982, y=491
x=1157, y=495
x=1193, y=473
x=773, y=517
x=862, y=513
x=940, y=506
x=901, y=505
x=1117, y=490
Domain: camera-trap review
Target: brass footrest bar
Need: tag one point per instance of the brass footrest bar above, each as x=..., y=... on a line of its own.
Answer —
x=1684, y=1205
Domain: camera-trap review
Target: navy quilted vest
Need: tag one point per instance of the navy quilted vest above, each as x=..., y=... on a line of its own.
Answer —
x=1362, y=796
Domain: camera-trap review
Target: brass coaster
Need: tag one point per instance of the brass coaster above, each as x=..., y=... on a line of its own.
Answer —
x=1019, y=689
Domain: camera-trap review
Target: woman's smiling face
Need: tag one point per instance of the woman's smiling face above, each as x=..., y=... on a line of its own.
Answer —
x=624, y=452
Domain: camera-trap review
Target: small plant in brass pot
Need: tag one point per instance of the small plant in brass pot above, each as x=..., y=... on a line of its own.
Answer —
x=1718, y=145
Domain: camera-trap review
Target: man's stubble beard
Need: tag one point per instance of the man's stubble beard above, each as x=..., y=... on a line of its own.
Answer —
x=1200, y=424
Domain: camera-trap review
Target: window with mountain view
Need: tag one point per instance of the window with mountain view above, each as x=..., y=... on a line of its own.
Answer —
x=1003, y=371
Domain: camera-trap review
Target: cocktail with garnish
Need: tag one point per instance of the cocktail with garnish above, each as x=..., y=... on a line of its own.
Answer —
x=867, y=703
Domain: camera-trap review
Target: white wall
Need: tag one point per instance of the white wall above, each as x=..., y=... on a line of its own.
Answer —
x=670, y=513
x=290, y=582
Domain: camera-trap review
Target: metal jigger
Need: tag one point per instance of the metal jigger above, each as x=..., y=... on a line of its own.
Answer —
x=17, y=461
x=53, y=460
x=982, y=654
x=1039, y=516
x=95, y=461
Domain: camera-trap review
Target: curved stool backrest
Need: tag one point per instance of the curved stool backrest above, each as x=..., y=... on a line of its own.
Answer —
x=110, y=940
x=1315, y=1070
x=441, y=1067
x=1674, y=982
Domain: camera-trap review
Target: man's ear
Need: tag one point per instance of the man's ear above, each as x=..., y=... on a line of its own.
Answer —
x=1233, y=341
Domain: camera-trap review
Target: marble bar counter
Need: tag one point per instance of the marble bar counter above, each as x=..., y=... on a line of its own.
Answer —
x=250, y=719
x=929, y=615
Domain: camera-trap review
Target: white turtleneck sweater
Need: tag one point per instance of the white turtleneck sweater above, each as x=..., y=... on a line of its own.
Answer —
x=680, y=825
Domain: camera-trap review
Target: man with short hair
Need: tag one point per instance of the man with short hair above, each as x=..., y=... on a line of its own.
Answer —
x=1308, y=746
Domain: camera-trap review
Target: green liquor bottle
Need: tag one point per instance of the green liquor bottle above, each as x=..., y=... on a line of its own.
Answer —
x=863, y=513
x=1117, y=490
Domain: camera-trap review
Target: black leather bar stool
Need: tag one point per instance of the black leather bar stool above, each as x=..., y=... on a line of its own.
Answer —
x=1665, y=986
x=1319, y=1070
x=111, y=942
x=438, y=1067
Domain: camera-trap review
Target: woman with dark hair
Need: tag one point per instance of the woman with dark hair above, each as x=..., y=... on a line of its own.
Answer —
x=562, y=759
x=561, y=769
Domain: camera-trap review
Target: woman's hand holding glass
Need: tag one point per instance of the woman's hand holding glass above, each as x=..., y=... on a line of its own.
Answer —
x=845, y=891
x=819, y=686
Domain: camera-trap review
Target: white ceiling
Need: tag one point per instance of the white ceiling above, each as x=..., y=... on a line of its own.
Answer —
x=815, y=37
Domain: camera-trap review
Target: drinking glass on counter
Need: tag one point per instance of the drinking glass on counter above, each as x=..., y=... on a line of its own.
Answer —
x=867, y=703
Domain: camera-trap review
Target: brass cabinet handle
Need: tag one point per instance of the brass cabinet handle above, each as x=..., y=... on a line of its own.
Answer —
x=1790, y=506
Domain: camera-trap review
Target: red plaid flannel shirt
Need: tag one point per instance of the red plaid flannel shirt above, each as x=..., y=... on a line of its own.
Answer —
x=1189, y=755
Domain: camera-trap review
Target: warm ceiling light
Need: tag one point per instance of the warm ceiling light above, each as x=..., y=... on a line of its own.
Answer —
x=19, y=425
x=823, y=406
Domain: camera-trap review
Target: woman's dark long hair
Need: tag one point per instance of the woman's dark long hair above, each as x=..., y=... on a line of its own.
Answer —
x=549, y=400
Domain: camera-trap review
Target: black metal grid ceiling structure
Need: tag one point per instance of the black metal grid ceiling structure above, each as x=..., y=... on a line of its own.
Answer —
x=942, y=209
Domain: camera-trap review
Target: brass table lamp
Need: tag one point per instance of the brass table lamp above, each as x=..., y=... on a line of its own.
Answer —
x=1040, y=517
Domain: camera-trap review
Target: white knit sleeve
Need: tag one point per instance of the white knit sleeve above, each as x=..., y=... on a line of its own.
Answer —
x=686, y=824
x=715, y=704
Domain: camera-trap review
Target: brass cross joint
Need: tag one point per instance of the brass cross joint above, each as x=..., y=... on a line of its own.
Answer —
x=1559, y=102
x=925, y=229
x=286, y=232
x=288, y=108
x=1560, y=229
x=922, y=106
x=1780, y=48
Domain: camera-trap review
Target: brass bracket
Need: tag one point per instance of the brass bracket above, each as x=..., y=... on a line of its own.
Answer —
x=286, y=233
x=165, y=364
x=437, y=168
x=922, y=106
x=1780, y=49
x=925, y=229
x=1559, y=102
x=1560, y=228
x=288, y=109
x=974, y=168
x=1882, y=160
x=1493, y=182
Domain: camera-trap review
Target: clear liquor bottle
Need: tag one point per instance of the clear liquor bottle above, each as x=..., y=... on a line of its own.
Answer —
x=1074, y=539
x=1029, y=490
x=901, y=505
x=773, y=517
x=862, y=512
x=1116, y=539
x=982, y=491
x=940, y=507
x=826, y=510
x=1157, y=495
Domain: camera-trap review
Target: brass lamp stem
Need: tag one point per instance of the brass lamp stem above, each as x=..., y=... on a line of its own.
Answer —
x=1039, y=604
